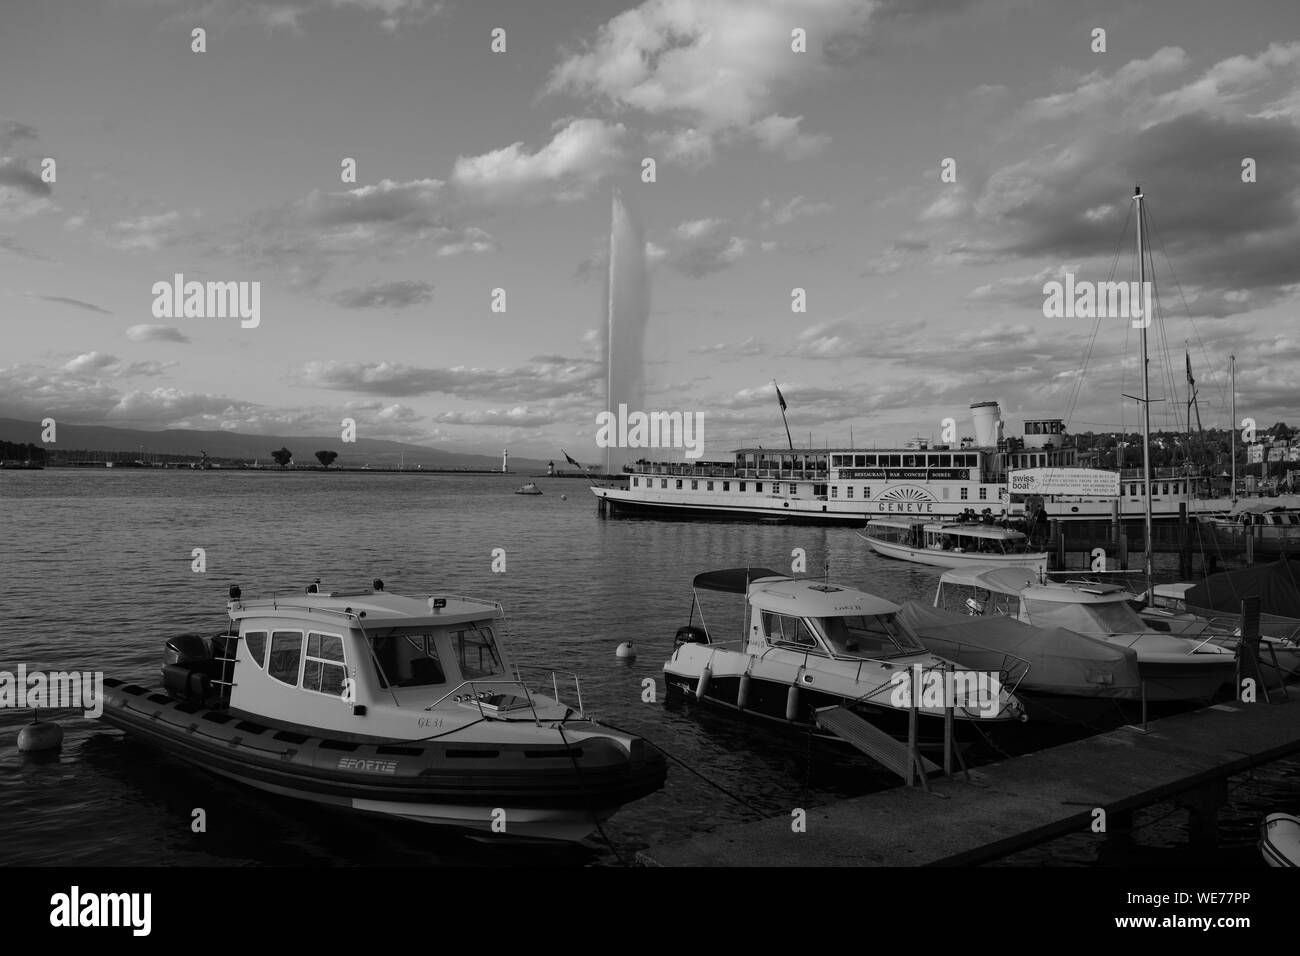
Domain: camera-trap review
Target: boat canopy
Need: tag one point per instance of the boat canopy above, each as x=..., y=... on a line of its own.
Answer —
x=808, y=597
x=733, y=580
x=1004, y=580
x=1058, y=659
x=1277, y=585
x=1265, y=505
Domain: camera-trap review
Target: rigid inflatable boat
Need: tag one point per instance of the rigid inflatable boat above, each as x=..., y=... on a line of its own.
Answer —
x=388, y=705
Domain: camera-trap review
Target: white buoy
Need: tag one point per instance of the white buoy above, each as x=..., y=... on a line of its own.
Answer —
x=742, y=695
x=564, y=497
x=40, y=735
x=702, y=685
x=792, y=703
x=626, y=651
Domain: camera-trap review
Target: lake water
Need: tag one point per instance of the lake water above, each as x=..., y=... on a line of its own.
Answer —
x=96, y=573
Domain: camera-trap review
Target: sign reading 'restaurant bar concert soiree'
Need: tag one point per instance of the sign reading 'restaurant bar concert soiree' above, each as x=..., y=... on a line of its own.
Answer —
x=1065, y=481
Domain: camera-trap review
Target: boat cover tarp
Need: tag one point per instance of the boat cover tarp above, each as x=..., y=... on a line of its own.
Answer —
x=1276, y=584
x=1265, y=505
x=1060, y=661
x=1011, y=579
x=733, y=580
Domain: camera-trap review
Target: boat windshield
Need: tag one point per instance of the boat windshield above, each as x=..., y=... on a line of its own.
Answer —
x=407, y=657
x=1111, y=617
x=871, y=636
x=476, y=652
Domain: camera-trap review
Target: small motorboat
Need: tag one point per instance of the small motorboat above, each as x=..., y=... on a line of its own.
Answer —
x=1279, y=839
x=1059, y=676
x=952, y=544
x=809, y=645
x=1172, y=667
x=387, y=705
x=528, y=488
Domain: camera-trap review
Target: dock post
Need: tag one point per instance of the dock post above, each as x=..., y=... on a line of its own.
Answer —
x=1115, y=528
x=1250, y=546
x=947, y=718
x=1184, y=544
x=1060, y=546
x=1202, y=805
x=1123, y=551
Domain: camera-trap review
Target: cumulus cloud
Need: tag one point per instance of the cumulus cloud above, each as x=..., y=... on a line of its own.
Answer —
x=543, y=377
x=579, y=155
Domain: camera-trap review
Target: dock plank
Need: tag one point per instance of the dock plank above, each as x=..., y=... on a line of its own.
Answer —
x=1012, y=804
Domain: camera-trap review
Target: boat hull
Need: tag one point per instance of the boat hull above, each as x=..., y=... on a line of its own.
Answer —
x=957, y=559
x=1189, y=679
x=529, y=791
x=1279, y=840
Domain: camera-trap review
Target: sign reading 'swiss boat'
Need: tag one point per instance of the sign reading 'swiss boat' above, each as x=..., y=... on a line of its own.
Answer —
x=1065, y=481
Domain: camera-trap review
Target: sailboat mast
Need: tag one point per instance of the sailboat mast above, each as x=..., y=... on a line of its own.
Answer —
x=1232, y=427
x=609, y=324
x=1146, y=397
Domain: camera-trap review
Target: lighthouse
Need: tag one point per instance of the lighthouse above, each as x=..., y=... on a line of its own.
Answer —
x=505, y=460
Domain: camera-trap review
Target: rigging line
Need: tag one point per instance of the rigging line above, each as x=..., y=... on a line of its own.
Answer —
x=1220, y=385
x=1072, y=404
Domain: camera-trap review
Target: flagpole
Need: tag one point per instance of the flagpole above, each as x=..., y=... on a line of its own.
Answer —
x=781, y=398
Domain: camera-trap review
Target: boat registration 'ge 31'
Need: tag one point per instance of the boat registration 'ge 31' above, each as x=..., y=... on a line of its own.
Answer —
x=387, y=705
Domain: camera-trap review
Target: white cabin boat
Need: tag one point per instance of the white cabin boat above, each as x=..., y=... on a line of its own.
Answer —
x=952, y=544
x=391, y=706
x=809, y=645
x=1172, y=667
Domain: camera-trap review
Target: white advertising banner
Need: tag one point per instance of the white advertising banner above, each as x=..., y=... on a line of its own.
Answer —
x=1089, y=482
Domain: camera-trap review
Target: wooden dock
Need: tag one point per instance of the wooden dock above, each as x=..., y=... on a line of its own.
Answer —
x=1020, y=802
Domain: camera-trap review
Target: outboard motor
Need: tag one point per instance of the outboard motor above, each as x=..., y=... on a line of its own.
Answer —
x=690, y=635
x=187, y=668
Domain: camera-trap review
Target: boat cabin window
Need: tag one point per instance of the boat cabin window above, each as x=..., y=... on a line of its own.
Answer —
x=286, y=656
x=407, y=658
x=477, y=652
x=868, y=635
x=255, y=641
x=789, y=632
x=323, y=671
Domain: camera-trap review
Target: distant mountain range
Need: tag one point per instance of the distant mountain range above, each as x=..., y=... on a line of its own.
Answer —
x=223, y=444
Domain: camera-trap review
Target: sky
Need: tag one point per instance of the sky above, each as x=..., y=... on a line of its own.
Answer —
x=776, y=169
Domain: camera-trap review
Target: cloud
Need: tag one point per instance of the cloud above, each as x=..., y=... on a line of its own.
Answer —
x=579, y=155
x=385, y=295
x=156, y=333
x=78, y=303
x=1098, y=89
x=541, y=378
x=396, y=14
x=790, y=210
x=685, y=146
x=719, y=64
x=896, y=255
x=100, y=364
x=22, y=192
x=144, y=233
x=12, y=246
x=520, y=415
x=780, y=134
x=746, y=348
x=13, y=132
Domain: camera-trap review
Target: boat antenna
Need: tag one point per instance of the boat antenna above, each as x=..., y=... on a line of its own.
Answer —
x=1146, y=396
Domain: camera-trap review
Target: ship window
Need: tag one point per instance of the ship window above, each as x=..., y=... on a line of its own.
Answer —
x=407, y=659
x=726, y=486
x=984, y=494
x=835, y=491
x=679, y=484
x=866, y=491
x=323, y=671
x=663, y=482
x=742, y=486
x=965, y=493
x=709, y=486
x=758, y=486
x=789, y=631
x=476, y=652
x=255, y=641
x=695, y=485
x=945, y=461
x=848, y=492
x=286, y=655
x=635, y=481
x=794, y=489
x=871, y=636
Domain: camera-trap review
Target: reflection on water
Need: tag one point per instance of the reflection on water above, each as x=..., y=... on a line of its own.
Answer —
x=97, y=570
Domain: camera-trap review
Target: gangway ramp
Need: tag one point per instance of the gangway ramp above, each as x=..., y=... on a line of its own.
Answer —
x=874, y=742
